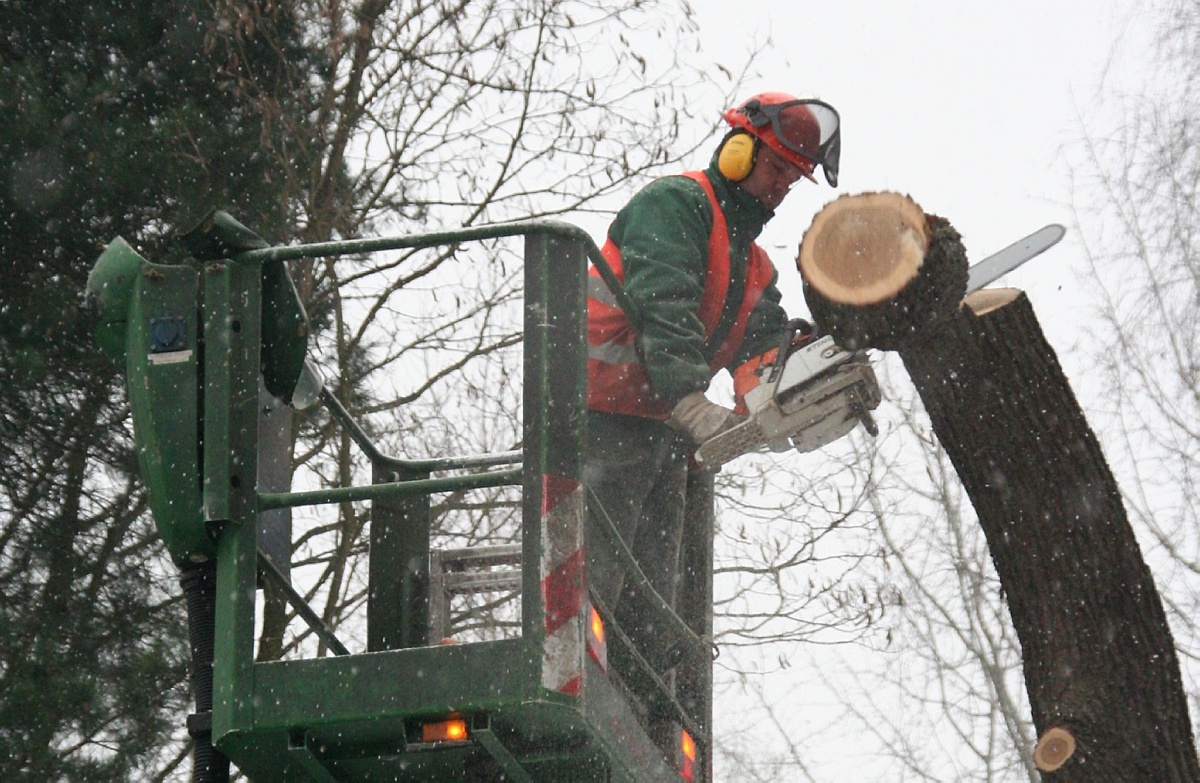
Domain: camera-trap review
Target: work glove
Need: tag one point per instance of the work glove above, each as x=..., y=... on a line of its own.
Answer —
x=699, y=418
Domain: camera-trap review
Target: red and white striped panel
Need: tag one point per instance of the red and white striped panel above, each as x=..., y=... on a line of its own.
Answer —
x=564, y=586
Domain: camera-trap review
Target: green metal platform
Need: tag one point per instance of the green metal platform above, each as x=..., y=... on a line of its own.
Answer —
x=544, y=706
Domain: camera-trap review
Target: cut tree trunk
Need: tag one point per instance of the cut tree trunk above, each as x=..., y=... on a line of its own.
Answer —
x=1100, y=664
x=878, y=271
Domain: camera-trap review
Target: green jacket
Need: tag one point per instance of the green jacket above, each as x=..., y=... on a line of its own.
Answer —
x=663, y=236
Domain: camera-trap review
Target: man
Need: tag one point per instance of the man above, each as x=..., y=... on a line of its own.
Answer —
x=704, y=299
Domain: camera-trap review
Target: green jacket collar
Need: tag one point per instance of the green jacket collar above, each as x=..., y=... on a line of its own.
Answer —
x=743, y=211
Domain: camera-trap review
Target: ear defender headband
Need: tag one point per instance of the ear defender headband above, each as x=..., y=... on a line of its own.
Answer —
x=736, y=157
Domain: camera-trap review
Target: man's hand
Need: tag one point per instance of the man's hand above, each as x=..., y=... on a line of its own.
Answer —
x=699, y=418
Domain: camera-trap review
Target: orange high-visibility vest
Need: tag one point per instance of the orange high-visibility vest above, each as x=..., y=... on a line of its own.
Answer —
x=617, y=378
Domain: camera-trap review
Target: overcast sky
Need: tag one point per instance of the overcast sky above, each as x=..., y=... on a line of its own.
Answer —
x=966, y=107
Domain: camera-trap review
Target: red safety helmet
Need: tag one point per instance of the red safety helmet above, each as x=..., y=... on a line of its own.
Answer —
x=805, y=132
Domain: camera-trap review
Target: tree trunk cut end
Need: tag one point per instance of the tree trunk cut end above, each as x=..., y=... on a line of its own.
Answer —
x=1053, y=749
x=879, y=272
x=864, y=248
x=987, y=300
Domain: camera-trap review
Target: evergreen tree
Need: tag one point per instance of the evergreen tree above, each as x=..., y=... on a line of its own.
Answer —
x=123, y=118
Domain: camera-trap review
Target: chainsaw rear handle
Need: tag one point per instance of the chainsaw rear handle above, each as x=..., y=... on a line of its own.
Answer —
x=787, y=342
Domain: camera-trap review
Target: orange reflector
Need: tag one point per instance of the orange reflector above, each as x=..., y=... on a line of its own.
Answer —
x=450, y=730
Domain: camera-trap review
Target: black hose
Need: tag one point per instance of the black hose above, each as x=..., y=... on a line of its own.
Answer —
x=199, y=584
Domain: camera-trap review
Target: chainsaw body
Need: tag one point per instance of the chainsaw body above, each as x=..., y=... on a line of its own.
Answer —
x=819, y=394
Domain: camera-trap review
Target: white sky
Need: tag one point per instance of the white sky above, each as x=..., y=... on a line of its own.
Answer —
x=964, y=106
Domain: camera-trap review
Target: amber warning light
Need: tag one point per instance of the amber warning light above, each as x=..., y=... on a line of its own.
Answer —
x=596, y=647
x=688, y=747
x=449, y=730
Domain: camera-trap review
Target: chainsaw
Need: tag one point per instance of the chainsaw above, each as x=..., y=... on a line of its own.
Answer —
x=815, y=396
x=817, y=392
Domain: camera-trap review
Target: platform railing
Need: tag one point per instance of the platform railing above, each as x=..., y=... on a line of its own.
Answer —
x=347, y=715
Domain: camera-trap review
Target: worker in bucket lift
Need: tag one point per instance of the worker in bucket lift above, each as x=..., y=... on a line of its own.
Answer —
x=684, y=249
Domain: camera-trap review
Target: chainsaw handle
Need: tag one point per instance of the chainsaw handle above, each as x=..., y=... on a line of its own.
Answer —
x=786, y=339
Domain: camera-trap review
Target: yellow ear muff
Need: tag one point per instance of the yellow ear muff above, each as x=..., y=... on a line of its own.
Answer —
x=736, y=158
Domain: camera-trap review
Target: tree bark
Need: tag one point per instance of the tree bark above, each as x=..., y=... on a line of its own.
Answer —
x=1099, y=659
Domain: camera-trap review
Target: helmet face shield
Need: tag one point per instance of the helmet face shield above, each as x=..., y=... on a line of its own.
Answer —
x=809, y=128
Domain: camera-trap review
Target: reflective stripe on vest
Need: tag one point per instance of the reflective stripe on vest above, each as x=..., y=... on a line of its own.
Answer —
x=617, y=378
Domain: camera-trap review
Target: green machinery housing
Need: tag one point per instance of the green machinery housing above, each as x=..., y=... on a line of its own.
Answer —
x=199, y=342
